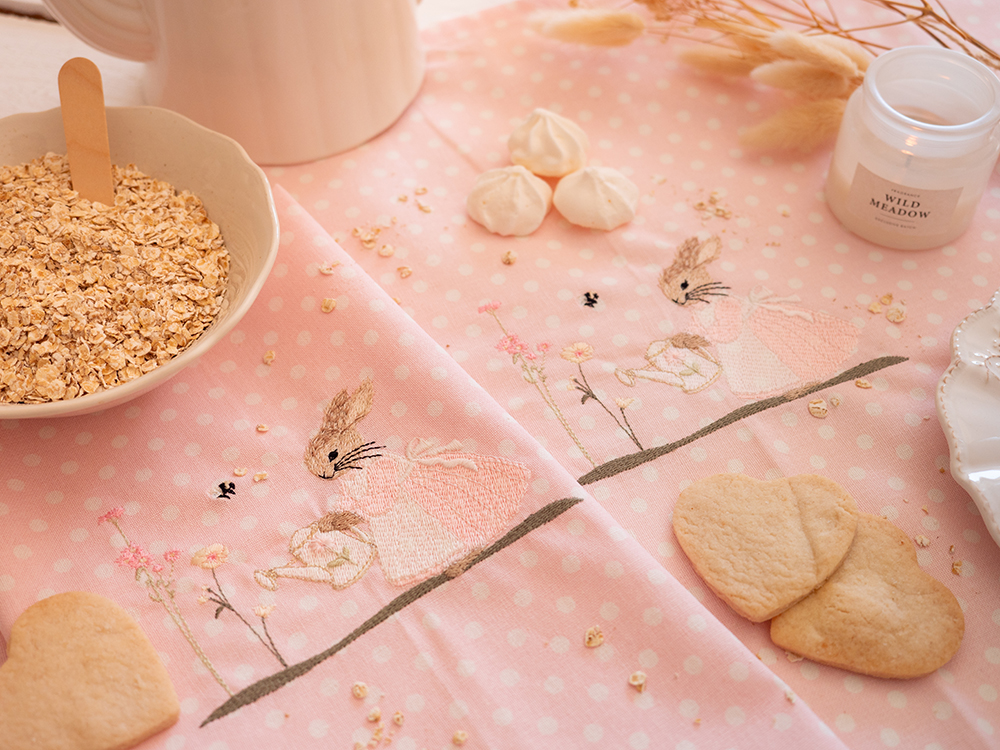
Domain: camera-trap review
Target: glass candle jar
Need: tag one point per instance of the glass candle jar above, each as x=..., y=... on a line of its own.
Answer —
x=916, y=148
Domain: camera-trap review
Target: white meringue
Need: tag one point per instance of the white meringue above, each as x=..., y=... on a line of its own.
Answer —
x=548, y=144
x=597, y=197
x=509, y=200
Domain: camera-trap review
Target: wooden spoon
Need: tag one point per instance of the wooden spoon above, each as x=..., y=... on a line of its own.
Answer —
x=81, y=95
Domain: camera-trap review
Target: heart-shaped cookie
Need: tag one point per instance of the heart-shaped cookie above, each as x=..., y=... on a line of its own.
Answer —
x=81, y=675
x=763, y=546
x=879, y=614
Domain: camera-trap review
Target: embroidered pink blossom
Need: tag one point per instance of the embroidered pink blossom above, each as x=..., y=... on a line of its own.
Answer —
x=157, y=568
x=210, y=557
x=578, y=353
x=513, y=345
x=624, y=403
x=489, y=307
x=262, y=610
x=171, y=555
x=544, y=347
x=133, y=556
x=111, y=515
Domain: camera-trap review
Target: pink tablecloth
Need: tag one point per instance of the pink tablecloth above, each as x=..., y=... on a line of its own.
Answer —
x=544, y=358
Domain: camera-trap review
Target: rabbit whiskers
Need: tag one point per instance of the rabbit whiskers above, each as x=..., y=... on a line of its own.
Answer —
x=352, y=459
x=701, y=292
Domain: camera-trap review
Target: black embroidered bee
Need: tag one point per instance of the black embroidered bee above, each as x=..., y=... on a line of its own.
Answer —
x=590, y=299
x=227, y=490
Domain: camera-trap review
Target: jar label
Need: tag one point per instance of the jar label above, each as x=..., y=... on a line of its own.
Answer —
x=899, y=208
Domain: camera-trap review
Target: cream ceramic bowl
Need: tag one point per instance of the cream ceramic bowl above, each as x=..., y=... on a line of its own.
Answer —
x=214, y=167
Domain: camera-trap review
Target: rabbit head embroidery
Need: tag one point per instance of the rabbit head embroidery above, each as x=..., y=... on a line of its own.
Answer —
x=687, y=279
x=338, y=446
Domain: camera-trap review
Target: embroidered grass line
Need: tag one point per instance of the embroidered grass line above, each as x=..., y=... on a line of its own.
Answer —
x=261, y=688
x=626, y=463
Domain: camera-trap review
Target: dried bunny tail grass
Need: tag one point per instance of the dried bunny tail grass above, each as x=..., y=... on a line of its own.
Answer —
x=602, y=28
x=859, y=55
x=803, y=78
x=720, y=61
x=801, y=47
x=803, y=127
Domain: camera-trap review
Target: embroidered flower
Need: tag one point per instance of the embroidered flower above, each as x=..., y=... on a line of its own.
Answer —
x=513, y=345
x=111, y=515
x=133, y=556
x=489, y=307
x=624, y=403
x=579, y=352
x=263, y=610
x=210, y=557
x=543, y=347
x=171, y=555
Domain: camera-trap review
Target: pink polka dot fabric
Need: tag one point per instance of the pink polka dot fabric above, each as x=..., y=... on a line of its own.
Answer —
x=612, y=381
x=177, y=504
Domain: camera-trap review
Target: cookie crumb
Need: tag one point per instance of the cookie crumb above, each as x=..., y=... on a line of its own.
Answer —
x=328, y=269
x=368, y=236
x=397, y=718
x=956, y=567
x=817, y=407
x=875, y=308
x=790, y=696
x=951, y=550
x=793, y=657
x=886, y=299
x=260, y=476
x=269, y=356
x=460, y=737
x=834, y=400
x=922, y=541
x=509, y=258
x=404, y=271
x=386, y=251
x=375, y=714
x=262, y=428
x=594, y=637
x=862, y=383
x=895, y=315
x=638, y=681
x=359, y=690
x=240, y=471
x=420, y=191
x=403, y=198
x=329, y=305
x=424, y=207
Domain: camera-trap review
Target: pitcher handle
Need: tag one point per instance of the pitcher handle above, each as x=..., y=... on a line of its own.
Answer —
x=117, y=27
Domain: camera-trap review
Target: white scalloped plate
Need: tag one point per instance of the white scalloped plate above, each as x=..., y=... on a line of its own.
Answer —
x=968, y=406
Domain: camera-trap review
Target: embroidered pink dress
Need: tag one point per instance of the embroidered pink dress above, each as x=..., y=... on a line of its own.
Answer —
x=768, y=344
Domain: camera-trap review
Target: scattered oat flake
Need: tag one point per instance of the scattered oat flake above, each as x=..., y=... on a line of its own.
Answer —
x=817, y=407
x=240, y=471
x=638, y=681
x=260, y=476
x=397, y=718
x=375, y=714
x=359, y=690
x=328, y=269
x=834, y=400
x=404, y=271
x=509, y=258
x=956, y=567
x=403, y=198
x=862, y=383
x=793, y=657
x=420, y=191
x=262, y=428
x=329, y=305
x=886, y=299
x=386, y=251
x=922, y=541
x=895, y=315
x=790, y=696
x=460, y=737
x=424, y=207
x=875, y=308
x=268, y=357
x=951, y=549
x=594, y=637
x=367, y=235
x=925, y=509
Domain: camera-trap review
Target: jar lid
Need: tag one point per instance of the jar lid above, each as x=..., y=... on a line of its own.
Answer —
x=931, y=101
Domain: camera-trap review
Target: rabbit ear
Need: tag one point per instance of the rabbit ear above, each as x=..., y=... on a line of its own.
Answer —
x=346, y=409
x=708, y=250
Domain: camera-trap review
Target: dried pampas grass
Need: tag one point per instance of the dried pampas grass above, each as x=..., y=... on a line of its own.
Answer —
x=601, y=28
x=802, y=127
x=811, y=81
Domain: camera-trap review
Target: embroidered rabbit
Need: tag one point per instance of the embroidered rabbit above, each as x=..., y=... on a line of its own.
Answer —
x=425, y=510
x=765, y=344
x=681, y=360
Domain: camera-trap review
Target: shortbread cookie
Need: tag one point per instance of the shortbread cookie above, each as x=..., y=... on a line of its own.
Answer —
x=81, y=675
x=763, y=546
x=879, y=614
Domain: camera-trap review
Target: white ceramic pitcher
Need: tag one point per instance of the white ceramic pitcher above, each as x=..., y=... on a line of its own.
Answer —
x=292, y=81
